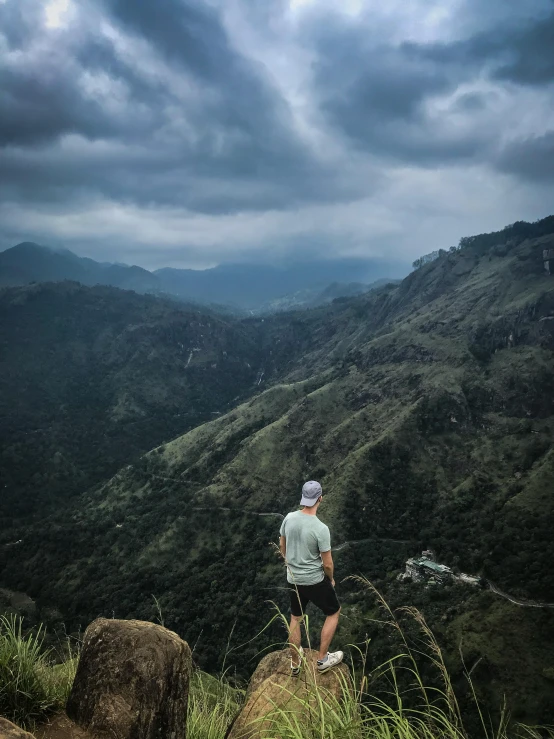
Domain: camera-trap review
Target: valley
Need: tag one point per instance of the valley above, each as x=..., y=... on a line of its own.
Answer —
x=425, y=409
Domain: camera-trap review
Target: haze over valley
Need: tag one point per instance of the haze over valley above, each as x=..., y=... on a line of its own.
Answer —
x=239, y=288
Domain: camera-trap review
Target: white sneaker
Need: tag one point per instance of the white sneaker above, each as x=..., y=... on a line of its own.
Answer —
x=295, y=669
x=333, y=659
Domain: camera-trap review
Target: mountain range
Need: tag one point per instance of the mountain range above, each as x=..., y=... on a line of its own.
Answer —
x=425, y=409
x=242, y=287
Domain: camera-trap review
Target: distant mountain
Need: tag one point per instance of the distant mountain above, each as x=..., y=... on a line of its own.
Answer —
x=28, y=262
x=256, y=286
x=243, y=287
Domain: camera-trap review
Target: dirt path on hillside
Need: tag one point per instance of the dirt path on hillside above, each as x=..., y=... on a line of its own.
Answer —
x=236, y=510
x=172, y=479
x=345, y=544
x=338, y=548
x=518, y=601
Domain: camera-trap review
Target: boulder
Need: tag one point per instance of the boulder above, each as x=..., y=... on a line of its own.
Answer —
x=11, y=731
x=132, y=682
x=272, y=686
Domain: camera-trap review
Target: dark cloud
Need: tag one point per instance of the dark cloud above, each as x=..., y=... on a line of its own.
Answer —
x=18, y=22
x=523, y=54
x=530, y=54
x=473, y=101
x=223, y=108
x=187, y=32
x=164, y=176
x=238, y=113
x=377, y=96
x=531, y=158
x=227, y=144
x=386, y=82
x=37, y=105
x=43, y=91
x=381, y=94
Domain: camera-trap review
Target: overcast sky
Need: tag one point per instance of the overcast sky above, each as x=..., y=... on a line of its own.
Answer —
x=193, y=132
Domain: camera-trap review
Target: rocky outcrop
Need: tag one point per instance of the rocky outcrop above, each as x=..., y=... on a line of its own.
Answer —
x=11, y=731
x=272, y=687
x=132, y=682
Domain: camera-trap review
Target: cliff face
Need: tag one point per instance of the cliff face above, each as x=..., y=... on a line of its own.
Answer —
x=426, y=411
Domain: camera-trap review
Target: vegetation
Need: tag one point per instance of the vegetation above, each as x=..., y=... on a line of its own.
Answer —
x=392, y=699
x=430, y=400
x=213, y=704
x=514, y=233
x=94, y=377
x=427, y=258
x=32, y=684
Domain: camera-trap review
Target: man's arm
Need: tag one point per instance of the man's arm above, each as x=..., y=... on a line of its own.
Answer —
x=283, y=547
x=328, y=566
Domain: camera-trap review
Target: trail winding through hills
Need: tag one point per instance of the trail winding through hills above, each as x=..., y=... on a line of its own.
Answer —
x=518, y=601
x=353, y=542
x=337, y=548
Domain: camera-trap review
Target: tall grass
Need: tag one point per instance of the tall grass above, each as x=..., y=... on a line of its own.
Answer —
x=31, y=684
x=393, y=702
x=212, y=706
x=390, y=702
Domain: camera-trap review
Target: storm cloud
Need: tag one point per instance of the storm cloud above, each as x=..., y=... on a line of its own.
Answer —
x=191, y=132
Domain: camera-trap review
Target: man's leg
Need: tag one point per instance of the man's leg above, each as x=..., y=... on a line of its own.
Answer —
x=295, y=639
x=327, y=634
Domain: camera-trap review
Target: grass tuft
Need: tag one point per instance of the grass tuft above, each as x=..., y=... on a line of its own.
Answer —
x=213, y=704
x=31, y=685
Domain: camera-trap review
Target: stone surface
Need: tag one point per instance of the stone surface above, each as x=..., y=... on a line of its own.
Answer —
x=61, y=727
x=272, y=685
x=11, y=731
x=132, y=682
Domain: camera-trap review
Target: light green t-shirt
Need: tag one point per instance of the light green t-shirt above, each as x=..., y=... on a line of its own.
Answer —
x=306, y=538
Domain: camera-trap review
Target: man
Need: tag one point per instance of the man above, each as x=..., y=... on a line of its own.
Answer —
x=305, y=544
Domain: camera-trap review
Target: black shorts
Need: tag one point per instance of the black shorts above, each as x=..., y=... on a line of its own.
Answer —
x=321, y=595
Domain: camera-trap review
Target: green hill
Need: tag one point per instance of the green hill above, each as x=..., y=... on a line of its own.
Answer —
x=425, y=409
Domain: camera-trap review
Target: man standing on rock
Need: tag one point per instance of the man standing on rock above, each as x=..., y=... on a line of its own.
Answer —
x=305, y=545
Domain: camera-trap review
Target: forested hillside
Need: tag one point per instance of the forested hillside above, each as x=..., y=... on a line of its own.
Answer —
x=90, y=378
x=425, y=409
